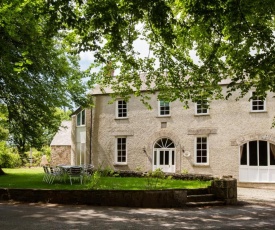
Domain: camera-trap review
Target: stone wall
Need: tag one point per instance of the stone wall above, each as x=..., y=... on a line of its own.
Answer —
x=224, y=189
x=60, y=155
x=146, y=198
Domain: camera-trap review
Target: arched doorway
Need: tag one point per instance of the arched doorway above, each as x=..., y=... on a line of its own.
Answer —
x=164, y=155
x=257, y=162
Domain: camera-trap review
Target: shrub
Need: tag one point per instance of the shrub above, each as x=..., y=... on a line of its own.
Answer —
x=95, y=180
x=37, y=155
x=153, y=178
x=8, y=158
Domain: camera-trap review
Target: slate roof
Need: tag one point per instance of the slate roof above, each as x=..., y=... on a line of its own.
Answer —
x=98, y=90
x=63, y=136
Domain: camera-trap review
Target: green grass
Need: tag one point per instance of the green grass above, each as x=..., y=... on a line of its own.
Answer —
x=32, y=178
x=133, y=183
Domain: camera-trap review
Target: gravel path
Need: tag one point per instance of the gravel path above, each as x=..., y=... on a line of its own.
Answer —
x=256, y=210
x=256, y=195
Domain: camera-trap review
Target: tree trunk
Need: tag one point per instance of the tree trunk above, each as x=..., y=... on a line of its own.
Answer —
x=1, y=171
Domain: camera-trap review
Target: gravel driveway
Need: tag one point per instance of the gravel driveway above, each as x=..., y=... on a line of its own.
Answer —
x=256, y=195
x=256, y=210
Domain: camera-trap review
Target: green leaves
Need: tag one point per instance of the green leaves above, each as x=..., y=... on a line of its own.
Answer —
x=38, y=72
x=39, y=39
x=232, y=39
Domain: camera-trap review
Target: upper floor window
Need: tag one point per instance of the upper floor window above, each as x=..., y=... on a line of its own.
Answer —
x=201, y=151
x=121, y=109
x=257, y=104
x=80, y=121
x=164, y=108
x=202, y=107
x=121, y=150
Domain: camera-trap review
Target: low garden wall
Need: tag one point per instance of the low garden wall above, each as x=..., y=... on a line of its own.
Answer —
x=145, y=198
x=224, y=189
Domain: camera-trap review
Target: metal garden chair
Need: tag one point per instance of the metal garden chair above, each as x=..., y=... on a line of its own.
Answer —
x=75, y=172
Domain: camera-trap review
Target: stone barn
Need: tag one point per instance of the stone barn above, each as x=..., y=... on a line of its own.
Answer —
x=61, y=145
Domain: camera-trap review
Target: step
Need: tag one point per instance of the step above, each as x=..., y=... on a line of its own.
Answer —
x=201, y=198
x=197, y=191
x=204, y=204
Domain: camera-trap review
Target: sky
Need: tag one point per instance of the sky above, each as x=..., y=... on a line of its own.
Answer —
x=141, y=46
x=86, y=58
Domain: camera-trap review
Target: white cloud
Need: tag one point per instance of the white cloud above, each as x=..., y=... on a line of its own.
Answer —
x=142, y=47
x=86, y=58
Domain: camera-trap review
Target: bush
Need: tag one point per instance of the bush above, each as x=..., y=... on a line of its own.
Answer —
x=37, y=155
x=8, y=158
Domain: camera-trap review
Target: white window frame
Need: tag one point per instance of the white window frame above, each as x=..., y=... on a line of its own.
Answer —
x=257, y=101
x=118, y=112
x=196, y=151
x=202, y=108
x=160, y=107
x=82, y=121
x=117, y=151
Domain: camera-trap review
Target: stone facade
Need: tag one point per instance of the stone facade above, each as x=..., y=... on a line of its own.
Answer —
x=228, y=125
x=61, y=145
x=60, y=155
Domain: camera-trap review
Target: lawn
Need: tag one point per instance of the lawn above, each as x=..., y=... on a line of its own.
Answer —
x=32, y=178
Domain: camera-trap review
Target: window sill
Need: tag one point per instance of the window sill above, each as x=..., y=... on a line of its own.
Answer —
x=120, y=164
x=201, y=165
x=203, y=114
x=258, y=111
x=168, y=116
x=121, y=118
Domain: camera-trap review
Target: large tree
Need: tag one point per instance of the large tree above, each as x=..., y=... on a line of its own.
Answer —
x=232, y=39
x=38, y=72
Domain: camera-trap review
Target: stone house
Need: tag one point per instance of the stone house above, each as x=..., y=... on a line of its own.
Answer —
x=227, y=138
x=61, y=145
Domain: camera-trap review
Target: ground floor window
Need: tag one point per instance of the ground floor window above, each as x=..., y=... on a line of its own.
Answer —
x=257, y=153
x=257, y=162
x=121, y=150
x=201, y=150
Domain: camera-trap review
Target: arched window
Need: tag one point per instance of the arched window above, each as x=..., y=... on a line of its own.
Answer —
x=164, y=143
x=257, y=153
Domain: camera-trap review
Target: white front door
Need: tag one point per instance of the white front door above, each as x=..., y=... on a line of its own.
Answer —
x=164, y=155
x=164, y=159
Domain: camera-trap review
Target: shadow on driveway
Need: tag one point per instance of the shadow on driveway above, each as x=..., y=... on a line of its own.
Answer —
x=49, y=216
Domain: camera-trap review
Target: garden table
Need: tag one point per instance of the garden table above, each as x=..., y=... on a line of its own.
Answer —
x=65, y=169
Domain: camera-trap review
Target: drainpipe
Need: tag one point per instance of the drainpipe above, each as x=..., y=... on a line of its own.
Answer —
x=91, y=131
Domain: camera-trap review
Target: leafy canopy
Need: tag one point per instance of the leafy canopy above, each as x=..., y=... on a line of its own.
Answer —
x=38, y=72
x=232, y=39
